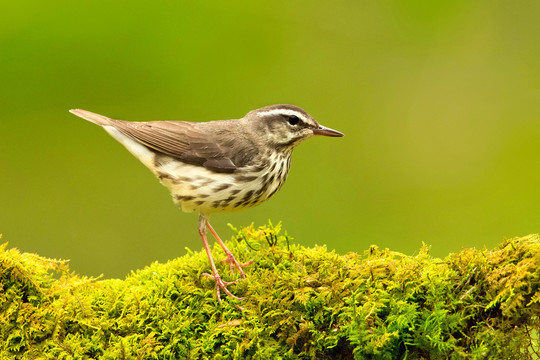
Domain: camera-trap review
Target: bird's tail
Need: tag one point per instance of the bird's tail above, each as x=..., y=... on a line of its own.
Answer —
x=93, y=117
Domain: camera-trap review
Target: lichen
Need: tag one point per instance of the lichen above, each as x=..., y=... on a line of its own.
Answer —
x=301, y=303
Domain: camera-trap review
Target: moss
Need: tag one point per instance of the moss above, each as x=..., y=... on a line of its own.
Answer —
x=302, y=303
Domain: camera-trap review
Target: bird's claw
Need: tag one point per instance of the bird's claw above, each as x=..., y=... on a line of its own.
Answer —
x=233, y=263
x=220, y=284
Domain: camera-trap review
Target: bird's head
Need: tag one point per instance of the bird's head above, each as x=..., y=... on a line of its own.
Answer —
x=285, y=126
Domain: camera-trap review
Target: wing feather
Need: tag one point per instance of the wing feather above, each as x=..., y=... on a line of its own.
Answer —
x=189, y=142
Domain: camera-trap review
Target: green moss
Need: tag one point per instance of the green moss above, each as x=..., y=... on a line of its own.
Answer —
x=301, y=303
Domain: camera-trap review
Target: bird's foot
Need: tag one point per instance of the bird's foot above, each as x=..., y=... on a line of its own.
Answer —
x=233, y=263
x=220, y=284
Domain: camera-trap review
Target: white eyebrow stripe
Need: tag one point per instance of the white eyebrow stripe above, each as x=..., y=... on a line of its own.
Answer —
x=288, y=112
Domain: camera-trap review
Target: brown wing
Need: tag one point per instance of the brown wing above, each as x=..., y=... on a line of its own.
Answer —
x=192, y=143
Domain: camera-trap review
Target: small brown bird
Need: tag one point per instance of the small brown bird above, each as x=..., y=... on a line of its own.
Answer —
x=218, y=166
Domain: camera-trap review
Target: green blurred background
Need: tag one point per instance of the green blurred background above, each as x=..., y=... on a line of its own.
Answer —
x=439, y=101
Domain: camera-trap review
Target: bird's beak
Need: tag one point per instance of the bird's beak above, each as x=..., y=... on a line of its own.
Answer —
x=323, y=130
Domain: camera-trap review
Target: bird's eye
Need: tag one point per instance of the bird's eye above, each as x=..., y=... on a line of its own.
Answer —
x=293, y=120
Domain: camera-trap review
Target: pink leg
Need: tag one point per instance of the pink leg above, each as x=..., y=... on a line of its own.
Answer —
x=230, y=257
x=220, y=284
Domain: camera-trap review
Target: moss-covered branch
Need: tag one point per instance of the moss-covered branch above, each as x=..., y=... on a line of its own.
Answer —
x=301, y=303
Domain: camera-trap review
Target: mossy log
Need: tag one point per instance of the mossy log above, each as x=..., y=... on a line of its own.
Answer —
x=300, y=303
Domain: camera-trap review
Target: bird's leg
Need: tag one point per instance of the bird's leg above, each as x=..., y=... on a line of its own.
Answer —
x=233, y=263
x=220, y=284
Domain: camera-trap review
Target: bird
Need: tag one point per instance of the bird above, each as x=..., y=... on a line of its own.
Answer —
x=218, y=166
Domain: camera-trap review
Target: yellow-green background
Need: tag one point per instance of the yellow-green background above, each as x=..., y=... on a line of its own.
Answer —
x=439, y=101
